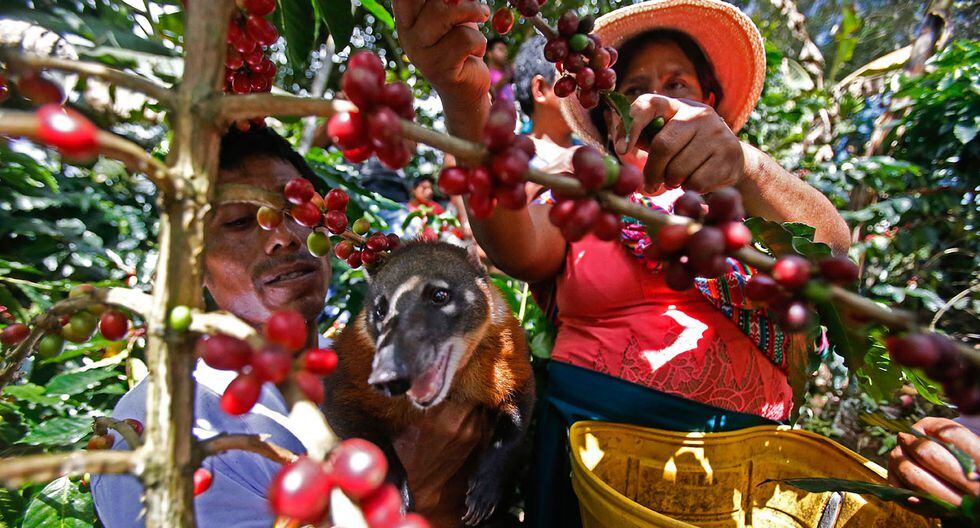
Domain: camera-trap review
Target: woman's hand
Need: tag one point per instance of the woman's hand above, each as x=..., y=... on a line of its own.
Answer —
x=923, y=465
x=446, y=46
x=695, y=149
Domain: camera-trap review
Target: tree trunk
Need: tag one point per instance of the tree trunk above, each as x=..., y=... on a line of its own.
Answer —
x=168, y=474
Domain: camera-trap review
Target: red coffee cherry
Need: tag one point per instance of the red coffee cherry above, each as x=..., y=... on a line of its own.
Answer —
x=672, y=238
x=286, y=328
x=480, y=181
x=366, y=60
x=268, y=218
x=358, y=467
x=574, y=62
x=113, y=325
x=40, y=91
x=556, y=50
x=393, y=241
x=398, y=97
x=136, y=425
x=613, y=56
x=503, y=20
x=481, y=205
x=272, y=363
x=100, y=442
x=306, y=214
x=589, y=99
x=362, y=86
x=607, y=226
x=737, y=235
x=590, y=168
x=377, y=242
x=382, y=508
x=359, y=154
x=677, y=276
x=560, y=212
x=311, y=385
x=630, y=179
x=343, y=249
x=702, y=248
x=348, y=130
x=600, y=60
x=335, y=221
x=301, y=491
x=528, y=8
x=239, y=39
x=498, y=132
x=794, y=316
x=568, y=23
x=453, y=180
x=509, y=165
x=585, y=78
x=605, y=79
x=202, y=481
x=14, y=334
x=690, y=204
x=299, y=191
x=258, y=7
x=319, y=361
x=725, y=204
x=913, y=350
x=224, y=352
x=839, y=270
x=791, y=272
x=394, y=156
x=261, y=30
x=580, y=222
x=68, y=131
x=368, y=257
x=565, y=86
x=241, y=394
x=336, y=200
x=761, y=288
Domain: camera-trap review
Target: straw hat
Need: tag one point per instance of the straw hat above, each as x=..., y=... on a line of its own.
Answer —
x=727, y=36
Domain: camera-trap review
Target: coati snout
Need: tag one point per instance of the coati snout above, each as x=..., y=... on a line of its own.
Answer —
x=427, y=307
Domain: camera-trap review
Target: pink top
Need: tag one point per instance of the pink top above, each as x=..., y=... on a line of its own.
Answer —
x=617, y=317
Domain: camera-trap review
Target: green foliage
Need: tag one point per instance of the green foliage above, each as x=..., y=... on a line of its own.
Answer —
x=62, y=503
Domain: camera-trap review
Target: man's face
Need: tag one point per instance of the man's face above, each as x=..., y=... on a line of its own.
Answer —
x=252, y=272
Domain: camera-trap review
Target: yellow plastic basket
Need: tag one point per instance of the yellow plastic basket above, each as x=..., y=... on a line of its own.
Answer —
x=627, y=476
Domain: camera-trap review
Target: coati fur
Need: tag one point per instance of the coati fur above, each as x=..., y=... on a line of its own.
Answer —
x=435, y=345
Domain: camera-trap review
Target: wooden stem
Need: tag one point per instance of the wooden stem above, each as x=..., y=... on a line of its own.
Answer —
x=251, y=443
x=25, y=124
x=18, y=60
x=42, y=468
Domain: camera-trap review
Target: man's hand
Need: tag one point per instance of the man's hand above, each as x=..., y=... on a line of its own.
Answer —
x=923, y=465
x=445, y=44
x=695, y=149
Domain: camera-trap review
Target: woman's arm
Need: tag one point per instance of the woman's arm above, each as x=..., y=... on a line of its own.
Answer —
x=445, y=46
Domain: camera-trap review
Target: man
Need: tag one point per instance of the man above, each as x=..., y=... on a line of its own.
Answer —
x=251, y=273
x=534, y=78
x=500, y=70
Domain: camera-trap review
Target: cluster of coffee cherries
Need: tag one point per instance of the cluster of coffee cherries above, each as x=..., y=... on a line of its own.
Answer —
x=301, y=489
x=688, y=251
x=247, y=68
x=285, y=334
x=370, y=251
x=940, y=360
x=77, y=328
x=375, y=128
x=790, y=286
x=102, y=439
x=501, y=179
x=576, y=217
x=587, y=64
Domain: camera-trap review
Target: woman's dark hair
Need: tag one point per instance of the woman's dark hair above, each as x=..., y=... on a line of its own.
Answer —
x=627, y=53
x=237, y=146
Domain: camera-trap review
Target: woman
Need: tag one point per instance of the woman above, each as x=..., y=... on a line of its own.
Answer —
x=629, y=349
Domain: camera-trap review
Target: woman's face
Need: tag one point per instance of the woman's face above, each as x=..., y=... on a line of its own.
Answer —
x=657, y=68
x=661, y=68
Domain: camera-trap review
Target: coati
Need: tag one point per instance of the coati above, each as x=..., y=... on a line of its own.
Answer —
x=435, y=346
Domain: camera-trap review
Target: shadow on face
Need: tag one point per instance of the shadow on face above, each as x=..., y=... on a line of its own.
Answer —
x=252, y=272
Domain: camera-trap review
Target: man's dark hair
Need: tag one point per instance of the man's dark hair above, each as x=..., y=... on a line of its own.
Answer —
x=238, y=146
x=627, y=52
x=528, y=63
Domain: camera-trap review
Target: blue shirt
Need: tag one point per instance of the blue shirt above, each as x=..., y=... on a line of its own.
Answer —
x=237, y=496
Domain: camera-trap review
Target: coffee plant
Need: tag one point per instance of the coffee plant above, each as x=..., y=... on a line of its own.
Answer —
x=170, y=171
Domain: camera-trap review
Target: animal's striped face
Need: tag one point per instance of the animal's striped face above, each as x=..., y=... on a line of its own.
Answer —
x=425, y=308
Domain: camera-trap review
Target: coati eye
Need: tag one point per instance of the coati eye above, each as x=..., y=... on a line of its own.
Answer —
x=381, y=308
x=440, y=296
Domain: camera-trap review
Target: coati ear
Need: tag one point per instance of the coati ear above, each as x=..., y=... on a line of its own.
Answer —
x=473, y=255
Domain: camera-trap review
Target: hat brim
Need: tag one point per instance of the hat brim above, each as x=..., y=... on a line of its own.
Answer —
x=728, y=37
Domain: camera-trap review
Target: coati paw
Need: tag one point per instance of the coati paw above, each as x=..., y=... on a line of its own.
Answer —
x=481, y=500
